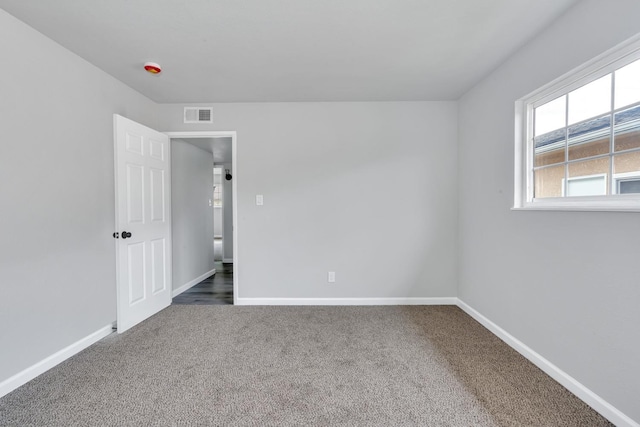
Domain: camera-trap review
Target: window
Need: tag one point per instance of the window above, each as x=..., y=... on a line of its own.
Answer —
x=593, y=185
x=580, y=142
x=217, y=187
x=627, y=183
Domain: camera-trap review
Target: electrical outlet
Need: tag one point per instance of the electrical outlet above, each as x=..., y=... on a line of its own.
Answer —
x=331, y=277
x=259, y=200
x=210, y=202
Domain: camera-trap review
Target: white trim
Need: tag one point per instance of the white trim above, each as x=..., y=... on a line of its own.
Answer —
x=582, y=203
x=227, y=261
x=202, y=134
x=192, y=283
x=626, y=175
x=234, y=213
x=606, y=63
x=56, y=358
x=521, y=179
x=348, y=301
x=234, y=190
x=600, y=405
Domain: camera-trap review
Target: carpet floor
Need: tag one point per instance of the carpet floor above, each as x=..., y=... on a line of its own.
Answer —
x=292, y=366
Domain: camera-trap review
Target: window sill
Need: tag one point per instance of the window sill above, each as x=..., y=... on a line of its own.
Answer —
x=581, y=206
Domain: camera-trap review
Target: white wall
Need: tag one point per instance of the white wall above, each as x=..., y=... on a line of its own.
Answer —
x=323, y=169
x=565, y=283
x=57, y=260
x=191, y=215
x=227, y=217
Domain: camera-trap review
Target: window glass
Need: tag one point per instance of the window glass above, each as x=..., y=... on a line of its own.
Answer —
x=627, y=163
x=626, y=171
x=549, y=181
x=588, y=178
x=590, y=138
x=590, y=100
x=627, y=85
x=627, y=129
x=550, y=132
x=550, y=150
x=550, y=116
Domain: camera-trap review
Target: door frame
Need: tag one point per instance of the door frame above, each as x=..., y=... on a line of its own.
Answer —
x=234, y=189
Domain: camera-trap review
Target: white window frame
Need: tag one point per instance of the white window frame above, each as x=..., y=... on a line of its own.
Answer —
x=606, y=63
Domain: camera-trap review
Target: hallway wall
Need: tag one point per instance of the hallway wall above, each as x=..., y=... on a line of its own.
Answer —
x=191, y=215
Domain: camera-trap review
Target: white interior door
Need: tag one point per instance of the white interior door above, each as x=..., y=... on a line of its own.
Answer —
x=143, y=222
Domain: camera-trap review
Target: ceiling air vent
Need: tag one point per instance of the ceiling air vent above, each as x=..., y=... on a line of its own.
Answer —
x=198, y=115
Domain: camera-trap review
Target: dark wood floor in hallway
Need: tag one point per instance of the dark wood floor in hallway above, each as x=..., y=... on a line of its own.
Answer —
x=214, y=290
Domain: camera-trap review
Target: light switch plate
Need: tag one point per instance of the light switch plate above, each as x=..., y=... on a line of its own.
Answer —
x=259, y=200
x=331, y=277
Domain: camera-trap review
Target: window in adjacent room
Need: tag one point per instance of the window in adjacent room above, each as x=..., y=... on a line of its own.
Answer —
x=581, y=138
x=217, y=187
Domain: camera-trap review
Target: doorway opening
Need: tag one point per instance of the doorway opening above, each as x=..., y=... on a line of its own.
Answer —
x=216, y=289
x=213, y=196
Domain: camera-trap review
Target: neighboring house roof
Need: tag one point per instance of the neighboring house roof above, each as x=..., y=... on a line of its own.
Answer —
x=589, y=126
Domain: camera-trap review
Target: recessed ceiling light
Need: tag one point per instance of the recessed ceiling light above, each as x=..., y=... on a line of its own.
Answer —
x=152, y=67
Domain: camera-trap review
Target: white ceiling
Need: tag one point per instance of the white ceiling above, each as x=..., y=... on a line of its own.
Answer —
x=293, y=50
x=219, y=147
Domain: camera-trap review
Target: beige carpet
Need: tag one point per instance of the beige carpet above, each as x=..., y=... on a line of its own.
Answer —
x=286, y=366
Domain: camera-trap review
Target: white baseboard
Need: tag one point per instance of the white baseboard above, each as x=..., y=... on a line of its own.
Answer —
x=227, y=260
x=347, y=301
x=192, y=283
x=600, y=405
x=12, y=383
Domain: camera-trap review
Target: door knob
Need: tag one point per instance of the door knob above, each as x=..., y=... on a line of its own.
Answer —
x=125, y=234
